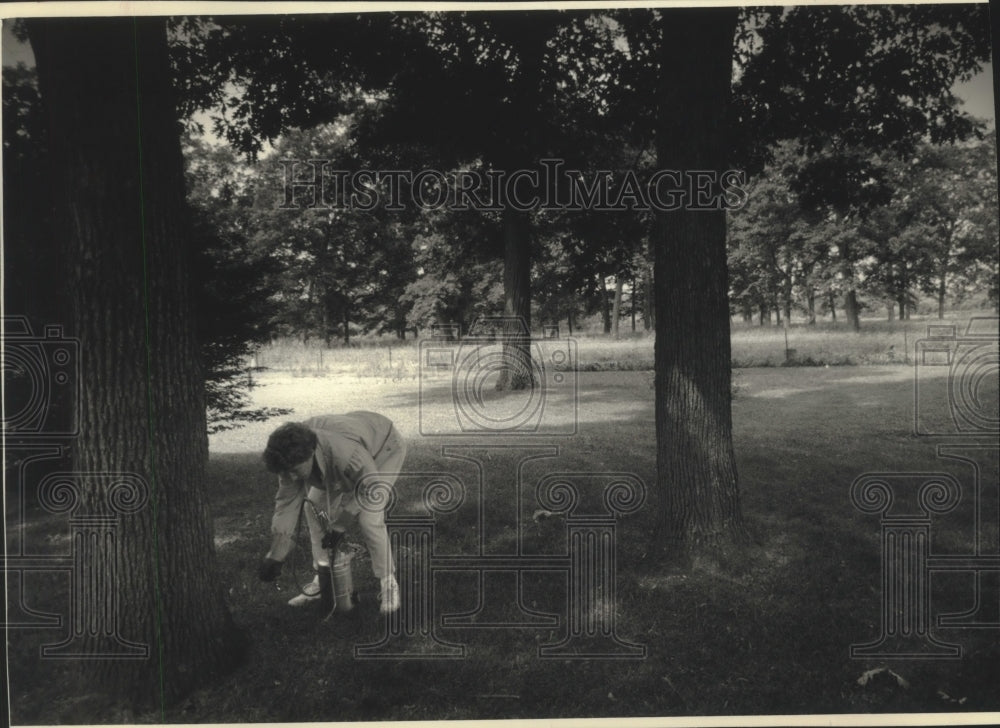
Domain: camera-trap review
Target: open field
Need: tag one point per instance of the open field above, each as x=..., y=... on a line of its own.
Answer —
x=766, y=630
x=879, y=342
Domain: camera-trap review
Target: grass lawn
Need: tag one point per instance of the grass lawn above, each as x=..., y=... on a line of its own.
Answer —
x=765, y=630
x=878, y=342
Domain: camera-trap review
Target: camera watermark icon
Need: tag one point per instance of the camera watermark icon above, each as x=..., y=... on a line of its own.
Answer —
x=41, y=374
x=907, y=628
x=956, y=380
x=92, y=565
x=587, y=622
x=458, y=392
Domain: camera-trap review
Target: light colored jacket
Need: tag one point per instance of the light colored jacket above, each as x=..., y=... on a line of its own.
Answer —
x=345, y=453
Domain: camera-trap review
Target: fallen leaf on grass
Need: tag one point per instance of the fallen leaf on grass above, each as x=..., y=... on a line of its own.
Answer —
x=948, y=699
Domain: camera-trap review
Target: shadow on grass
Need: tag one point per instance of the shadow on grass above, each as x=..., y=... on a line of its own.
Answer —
x=763, y=630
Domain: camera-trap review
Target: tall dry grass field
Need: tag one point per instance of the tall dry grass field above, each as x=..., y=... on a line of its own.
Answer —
x=824, y=344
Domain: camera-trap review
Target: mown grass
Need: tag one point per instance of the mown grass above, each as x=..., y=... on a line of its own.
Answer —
x=764, y=629
x=822, y=344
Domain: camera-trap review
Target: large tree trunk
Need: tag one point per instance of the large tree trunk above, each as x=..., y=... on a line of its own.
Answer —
x=941, y=294
x=516, y=373
x=616, y=309
x=605, y=304
x=647, y=314
x=521, y=151
x=648, y=310
x=119, y=189
x=326, y=314
x=631, y=301
x=904, y=288
x=852, y=310
x=699, y=502
x=811, y=304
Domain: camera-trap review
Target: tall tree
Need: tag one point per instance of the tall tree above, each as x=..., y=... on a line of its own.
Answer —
x=842, y=189
x=875, y=76
x=341, y=265
x=118, y=181
x=696, y=467
x=454, y=286
x=767, y=243
x=495, y=90
x=953, y=203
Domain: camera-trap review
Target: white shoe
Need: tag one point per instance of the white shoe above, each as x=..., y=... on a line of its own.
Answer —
x=389, y=595
x=310, y=593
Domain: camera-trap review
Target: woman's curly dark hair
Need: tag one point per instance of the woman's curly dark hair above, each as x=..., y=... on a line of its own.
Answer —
x=289, y=445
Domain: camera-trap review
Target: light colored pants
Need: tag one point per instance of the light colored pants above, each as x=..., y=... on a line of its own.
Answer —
x=343, y=508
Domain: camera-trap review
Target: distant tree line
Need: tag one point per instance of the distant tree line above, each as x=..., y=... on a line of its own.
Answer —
x=927, y=227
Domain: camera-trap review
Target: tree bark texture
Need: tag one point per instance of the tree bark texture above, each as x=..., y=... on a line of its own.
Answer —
x=941, y=292
x=648, y=311
x=517, y=371
x=616, y=309
x=631, y=300
x=852, y=309
x=697, y=485
x=605, y=303
x=523, y=146
x=647, y=314
x=121, y=216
